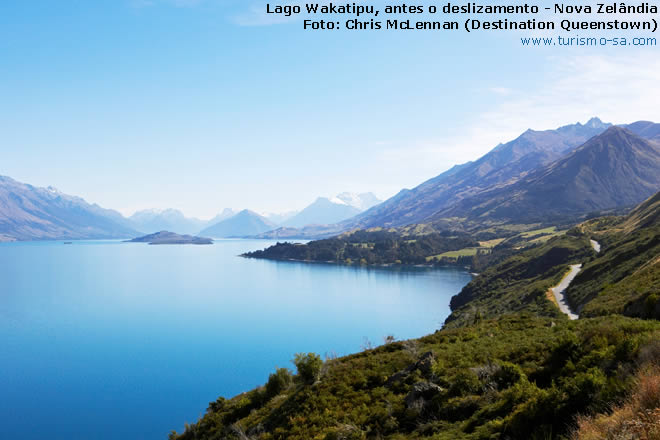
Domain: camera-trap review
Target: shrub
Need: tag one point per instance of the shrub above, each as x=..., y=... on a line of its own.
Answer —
x=507, y=375
x=218, y=405
x=308, y=366
x=464, y=383
x=278, y=382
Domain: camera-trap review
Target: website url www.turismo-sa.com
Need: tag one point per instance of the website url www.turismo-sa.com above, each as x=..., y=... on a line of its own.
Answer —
x=589, y=41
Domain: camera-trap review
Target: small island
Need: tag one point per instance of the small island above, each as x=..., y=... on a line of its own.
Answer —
x=167, y=237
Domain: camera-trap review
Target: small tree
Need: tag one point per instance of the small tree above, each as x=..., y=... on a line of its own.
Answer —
x=278, y=382
x=308, y=366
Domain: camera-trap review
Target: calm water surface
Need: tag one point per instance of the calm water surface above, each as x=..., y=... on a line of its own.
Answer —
x=109, y=340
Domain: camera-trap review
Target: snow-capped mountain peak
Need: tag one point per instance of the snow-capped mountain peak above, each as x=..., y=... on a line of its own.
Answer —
x=362, y=201
x=329, y=210
x=336, y=200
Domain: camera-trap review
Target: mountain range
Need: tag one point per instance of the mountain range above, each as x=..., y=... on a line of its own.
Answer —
x=509, y=168
x=325, y=211
x=540, y=176
x=230, y=223
x=166, y=220
x=502, y=164
x=614, y=169
x=32, y=213
x=29, y=213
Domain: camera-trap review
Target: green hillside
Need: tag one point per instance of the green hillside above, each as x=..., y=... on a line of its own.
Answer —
x=370, y=247
x=624, y=277
x=520, y=282
x=507, y=365
x=520, y=377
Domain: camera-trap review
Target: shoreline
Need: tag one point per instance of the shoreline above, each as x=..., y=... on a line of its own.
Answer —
x=381, y=265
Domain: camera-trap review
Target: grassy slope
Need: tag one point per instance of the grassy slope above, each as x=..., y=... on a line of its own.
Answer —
x=624, y=277
x=517, y=377
x=520, y=282
x=637, y=418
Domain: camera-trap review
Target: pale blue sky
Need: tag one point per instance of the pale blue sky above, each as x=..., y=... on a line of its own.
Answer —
x=205, y=104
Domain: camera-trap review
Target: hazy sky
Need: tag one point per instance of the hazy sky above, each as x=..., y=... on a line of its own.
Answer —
x=205, y=104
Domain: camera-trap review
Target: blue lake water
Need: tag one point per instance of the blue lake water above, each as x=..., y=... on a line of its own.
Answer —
x=109, y=340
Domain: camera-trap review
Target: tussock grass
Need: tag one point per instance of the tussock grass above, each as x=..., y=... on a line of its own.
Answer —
x=637, y=418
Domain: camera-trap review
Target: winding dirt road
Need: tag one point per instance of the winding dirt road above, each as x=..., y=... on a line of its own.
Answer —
x=559, y=291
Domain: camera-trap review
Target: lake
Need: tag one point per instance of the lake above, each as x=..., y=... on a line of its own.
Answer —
x=108, y=340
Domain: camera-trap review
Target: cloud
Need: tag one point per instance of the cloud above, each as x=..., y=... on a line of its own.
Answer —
x=618, y=89
x=503, y=91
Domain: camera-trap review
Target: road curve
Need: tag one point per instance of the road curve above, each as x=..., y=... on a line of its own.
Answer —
x=560, y=289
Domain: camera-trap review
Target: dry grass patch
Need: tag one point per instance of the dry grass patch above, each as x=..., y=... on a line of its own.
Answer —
x=636, y=419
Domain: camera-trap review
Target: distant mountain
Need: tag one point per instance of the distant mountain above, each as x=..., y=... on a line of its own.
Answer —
x=615, y=169
x=245, y=223
x=165, y=220
x=325, y=211
x=279, y=218
x=310, y=232
x=362, y=201
x=31, y=213
x=225, y=214
x=646, y=129
x=504, y=164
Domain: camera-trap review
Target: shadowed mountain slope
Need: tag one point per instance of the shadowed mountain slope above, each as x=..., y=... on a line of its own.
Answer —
x=646, y=129
x=504, y=164
x=615, y=169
